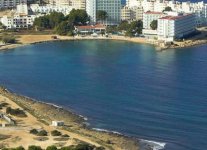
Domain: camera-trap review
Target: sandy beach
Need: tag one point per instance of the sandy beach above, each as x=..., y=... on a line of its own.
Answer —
x=23, y=40
x=32, y=39
x=40, y=116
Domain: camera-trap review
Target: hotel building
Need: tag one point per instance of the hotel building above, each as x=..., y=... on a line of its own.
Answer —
x=175, y=27
x=149, y=16
x=47, y=9
x=11, y=3
x=126, y=13
x=131, y=14
x=77, y=4
x=112, y=7
x=18, y=21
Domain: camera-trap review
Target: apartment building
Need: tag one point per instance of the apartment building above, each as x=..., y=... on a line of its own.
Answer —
x=18, y=21
x=126, y=14
x=78, y=4
x=113, y=9
x=47, y=9
x=175, y=27
x=11, y=3
x=149, y=16
x=131, y=14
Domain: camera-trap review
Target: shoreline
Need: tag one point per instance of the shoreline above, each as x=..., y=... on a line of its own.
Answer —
x=119, y=141
x=24, y=40
x=74, y=123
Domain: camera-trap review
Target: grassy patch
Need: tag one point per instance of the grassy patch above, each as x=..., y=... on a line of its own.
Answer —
x=4, y=137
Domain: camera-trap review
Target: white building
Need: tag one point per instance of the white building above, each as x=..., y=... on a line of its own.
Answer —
x=149, y=16
x=47, y=9
x=18, y=21
x=113, y=9
x=22, y=9
x=137, y=13
x=175, y=27
x=91, y=10
x=133, y=3
x=126, y=13
x=11, y=3
x=159, y=6
x=57, y=123
x=78, y=4
x=148, y=5
x=131, y=14
x=59, y=2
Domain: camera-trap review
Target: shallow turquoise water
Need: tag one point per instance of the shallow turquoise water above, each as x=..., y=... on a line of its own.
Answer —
x=119, y=86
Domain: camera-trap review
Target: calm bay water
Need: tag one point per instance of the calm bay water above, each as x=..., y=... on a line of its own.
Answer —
x=119, y=86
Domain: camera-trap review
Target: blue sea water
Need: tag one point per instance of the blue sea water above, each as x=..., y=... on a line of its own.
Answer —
x=119, y=86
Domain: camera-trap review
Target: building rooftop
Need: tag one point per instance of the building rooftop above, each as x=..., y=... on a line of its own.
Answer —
x=153, y=12
x=175, y=17
x=98, y=26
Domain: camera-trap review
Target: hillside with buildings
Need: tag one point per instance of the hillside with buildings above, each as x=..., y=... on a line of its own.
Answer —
x=163, y=21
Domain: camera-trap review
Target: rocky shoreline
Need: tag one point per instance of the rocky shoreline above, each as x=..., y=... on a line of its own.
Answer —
x=74, y=123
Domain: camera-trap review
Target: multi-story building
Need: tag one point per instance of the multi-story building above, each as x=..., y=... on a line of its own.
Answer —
x=22, y=9
x=133, y=3
x=78, y=4
x=47, y=9
x=91, y=10
x=148, y=5
x=137, y=13
x=149, y=16
x=59, y=2
x=131, y=14
x=160, y=6
x=126, y=13
x=175, y=27
x=18, y=21
x=113, y=9
x=11, y=3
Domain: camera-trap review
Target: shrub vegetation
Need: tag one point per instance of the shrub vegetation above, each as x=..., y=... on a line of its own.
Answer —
x=15, y=112
x=56, y=133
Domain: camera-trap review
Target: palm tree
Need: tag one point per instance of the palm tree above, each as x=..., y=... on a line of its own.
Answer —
x=101, y=15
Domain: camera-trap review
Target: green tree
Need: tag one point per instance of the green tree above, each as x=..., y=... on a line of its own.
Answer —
x=56, y=133
x=84, y=146
x=8, y=39
x=42, y=133
x=53, y=147
x=136, y=26
x=33, y=147
x=33, y=131
x=168, y=8
x=101, y=15
x=64, y=28
x=77, y=17
x=42, y=22
x=124, y=25
x=19, y=148
x=153, y=25
x=55, y=18
x=111, y=29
